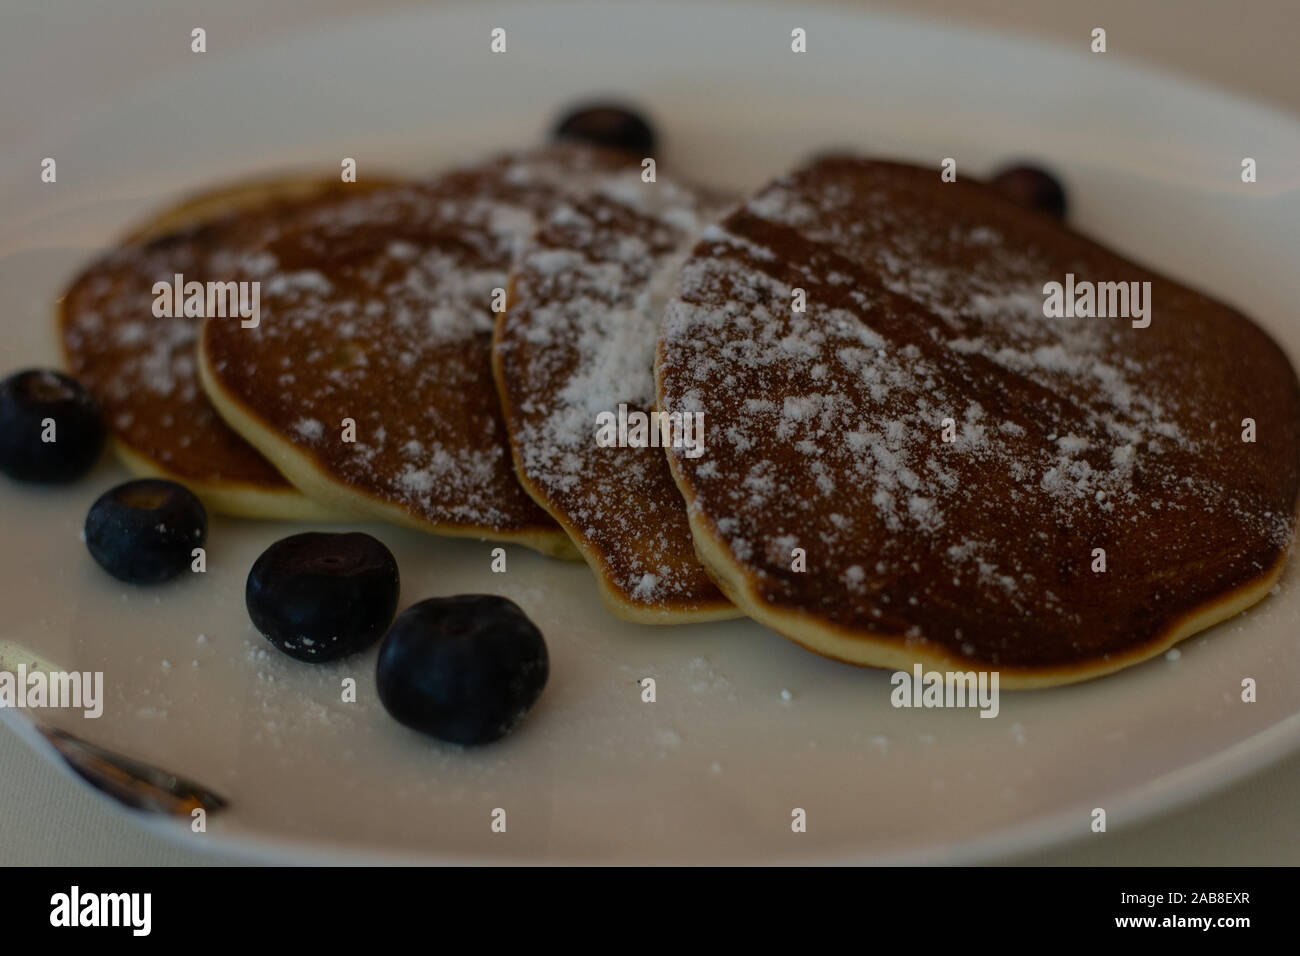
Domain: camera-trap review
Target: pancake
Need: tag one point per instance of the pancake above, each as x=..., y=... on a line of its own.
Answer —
x=577, y=341
x=925, y=302
x=379, y=310
x=141, y=367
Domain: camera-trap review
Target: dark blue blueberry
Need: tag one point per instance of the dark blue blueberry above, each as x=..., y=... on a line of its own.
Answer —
x=318, y=596
x=465, y=669
x=1032, y=187
x=608, y=124
x=145, y=531
x=29, y=402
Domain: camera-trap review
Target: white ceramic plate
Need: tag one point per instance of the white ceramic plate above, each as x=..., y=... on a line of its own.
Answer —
x=713, y=769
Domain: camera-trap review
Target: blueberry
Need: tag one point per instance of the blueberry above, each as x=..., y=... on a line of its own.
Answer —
x=318, y=596
x=465, y=669
x=144, y=532
x=38, y=404
x=1033, y=188
x=608, y=124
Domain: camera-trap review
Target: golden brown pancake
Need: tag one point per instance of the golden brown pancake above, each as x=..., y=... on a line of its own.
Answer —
x=577, y=342
x=379, y=311
x=925, y=303
x=142, y=368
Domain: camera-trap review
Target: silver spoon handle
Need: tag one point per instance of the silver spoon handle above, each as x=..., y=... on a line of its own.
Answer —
x=133, y=783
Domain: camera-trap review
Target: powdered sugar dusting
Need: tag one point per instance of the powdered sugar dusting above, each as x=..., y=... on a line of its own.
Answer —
x=579, y=341
x=142, y=368
x=946, y=454
x=396, y=337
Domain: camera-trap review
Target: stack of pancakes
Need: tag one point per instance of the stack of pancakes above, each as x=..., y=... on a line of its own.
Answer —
x=904, y=461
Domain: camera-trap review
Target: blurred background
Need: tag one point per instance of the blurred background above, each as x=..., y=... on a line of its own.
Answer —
x=60, y=59
x=58, y=56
